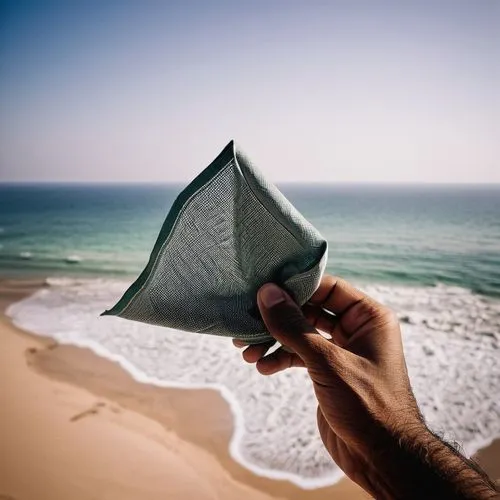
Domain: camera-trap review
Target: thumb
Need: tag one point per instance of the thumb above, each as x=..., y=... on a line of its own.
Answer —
x=287, y=324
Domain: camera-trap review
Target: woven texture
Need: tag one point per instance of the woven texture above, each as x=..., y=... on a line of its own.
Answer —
x=229, y=232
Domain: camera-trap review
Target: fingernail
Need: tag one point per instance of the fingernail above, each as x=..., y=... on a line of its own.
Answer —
x=271, y=295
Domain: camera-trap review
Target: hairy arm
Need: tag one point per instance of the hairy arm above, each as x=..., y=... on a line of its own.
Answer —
x=412, y=462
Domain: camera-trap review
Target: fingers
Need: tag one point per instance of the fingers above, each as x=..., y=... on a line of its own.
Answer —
x=325, y=322
x=254, y=352
x=336, y=295
x=319, y=318
x=239, y=343
x=287, y=324
x=353, y=308
x=278, y=361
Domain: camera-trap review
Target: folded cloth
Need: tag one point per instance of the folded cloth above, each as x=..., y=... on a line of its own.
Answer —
x=229, y=232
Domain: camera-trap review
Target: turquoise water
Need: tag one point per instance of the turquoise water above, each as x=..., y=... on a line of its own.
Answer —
x=384, y=234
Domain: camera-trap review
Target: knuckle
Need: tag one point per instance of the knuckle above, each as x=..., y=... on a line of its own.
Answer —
x=364, y=310
x=340, y=282
x=373, y=309
x=331, y=280
x=388, y=315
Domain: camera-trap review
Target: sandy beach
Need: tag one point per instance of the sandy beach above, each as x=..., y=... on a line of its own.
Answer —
x=73, y=425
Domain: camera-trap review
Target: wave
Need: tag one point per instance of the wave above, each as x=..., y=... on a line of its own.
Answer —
x=73, y=259
x=46, y=262
x=451, y=342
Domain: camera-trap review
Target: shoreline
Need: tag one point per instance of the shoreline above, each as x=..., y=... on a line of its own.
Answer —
x=170, y=415
x=175, y=411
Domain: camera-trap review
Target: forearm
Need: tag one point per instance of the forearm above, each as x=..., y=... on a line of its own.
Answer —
x=412, y=462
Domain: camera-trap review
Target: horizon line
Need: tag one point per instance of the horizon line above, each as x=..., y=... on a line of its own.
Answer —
x=294, y=182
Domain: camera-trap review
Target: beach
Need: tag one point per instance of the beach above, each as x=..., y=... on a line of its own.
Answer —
x=73, y=425
x=103, y=406
x=148, y=150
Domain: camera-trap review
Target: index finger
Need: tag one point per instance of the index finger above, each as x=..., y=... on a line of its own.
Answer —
x=336, y=295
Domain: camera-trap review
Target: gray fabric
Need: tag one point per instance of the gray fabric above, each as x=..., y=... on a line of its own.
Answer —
x=229, y=232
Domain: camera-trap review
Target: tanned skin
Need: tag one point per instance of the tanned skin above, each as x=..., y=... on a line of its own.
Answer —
x=368, y=418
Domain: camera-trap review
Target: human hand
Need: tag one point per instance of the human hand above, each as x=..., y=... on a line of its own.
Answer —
x=359, y=374
x=368, y=418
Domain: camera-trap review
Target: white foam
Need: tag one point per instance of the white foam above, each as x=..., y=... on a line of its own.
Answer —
x=451, y=342
x=73, y=259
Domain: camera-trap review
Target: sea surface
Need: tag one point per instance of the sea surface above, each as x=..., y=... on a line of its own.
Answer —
x=432, y=253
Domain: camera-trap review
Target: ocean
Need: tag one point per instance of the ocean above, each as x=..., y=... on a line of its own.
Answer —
x=432, y=253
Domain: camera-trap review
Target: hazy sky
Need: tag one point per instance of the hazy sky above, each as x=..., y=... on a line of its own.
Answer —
x=318, y=91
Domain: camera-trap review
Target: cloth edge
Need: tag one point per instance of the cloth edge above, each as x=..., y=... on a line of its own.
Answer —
x=224, y=157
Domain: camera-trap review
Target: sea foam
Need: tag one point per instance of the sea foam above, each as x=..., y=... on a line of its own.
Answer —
x=451, y=340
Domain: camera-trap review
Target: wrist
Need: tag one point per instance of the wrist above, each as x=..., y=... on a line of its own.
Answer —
x=392, y=425
x=395, y=432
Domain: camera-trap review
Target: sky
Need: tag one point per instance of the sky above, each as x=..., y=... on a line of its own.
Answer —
x=313, y=91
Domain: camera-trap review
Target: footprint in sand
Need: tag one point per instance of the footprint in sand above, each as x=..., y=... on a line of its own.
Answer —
x=30, y=352
x=93, y=410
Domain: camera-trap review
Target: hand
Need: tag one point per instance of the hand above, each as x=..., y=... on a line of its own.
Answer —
x=359, y=373
x=367, y=415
